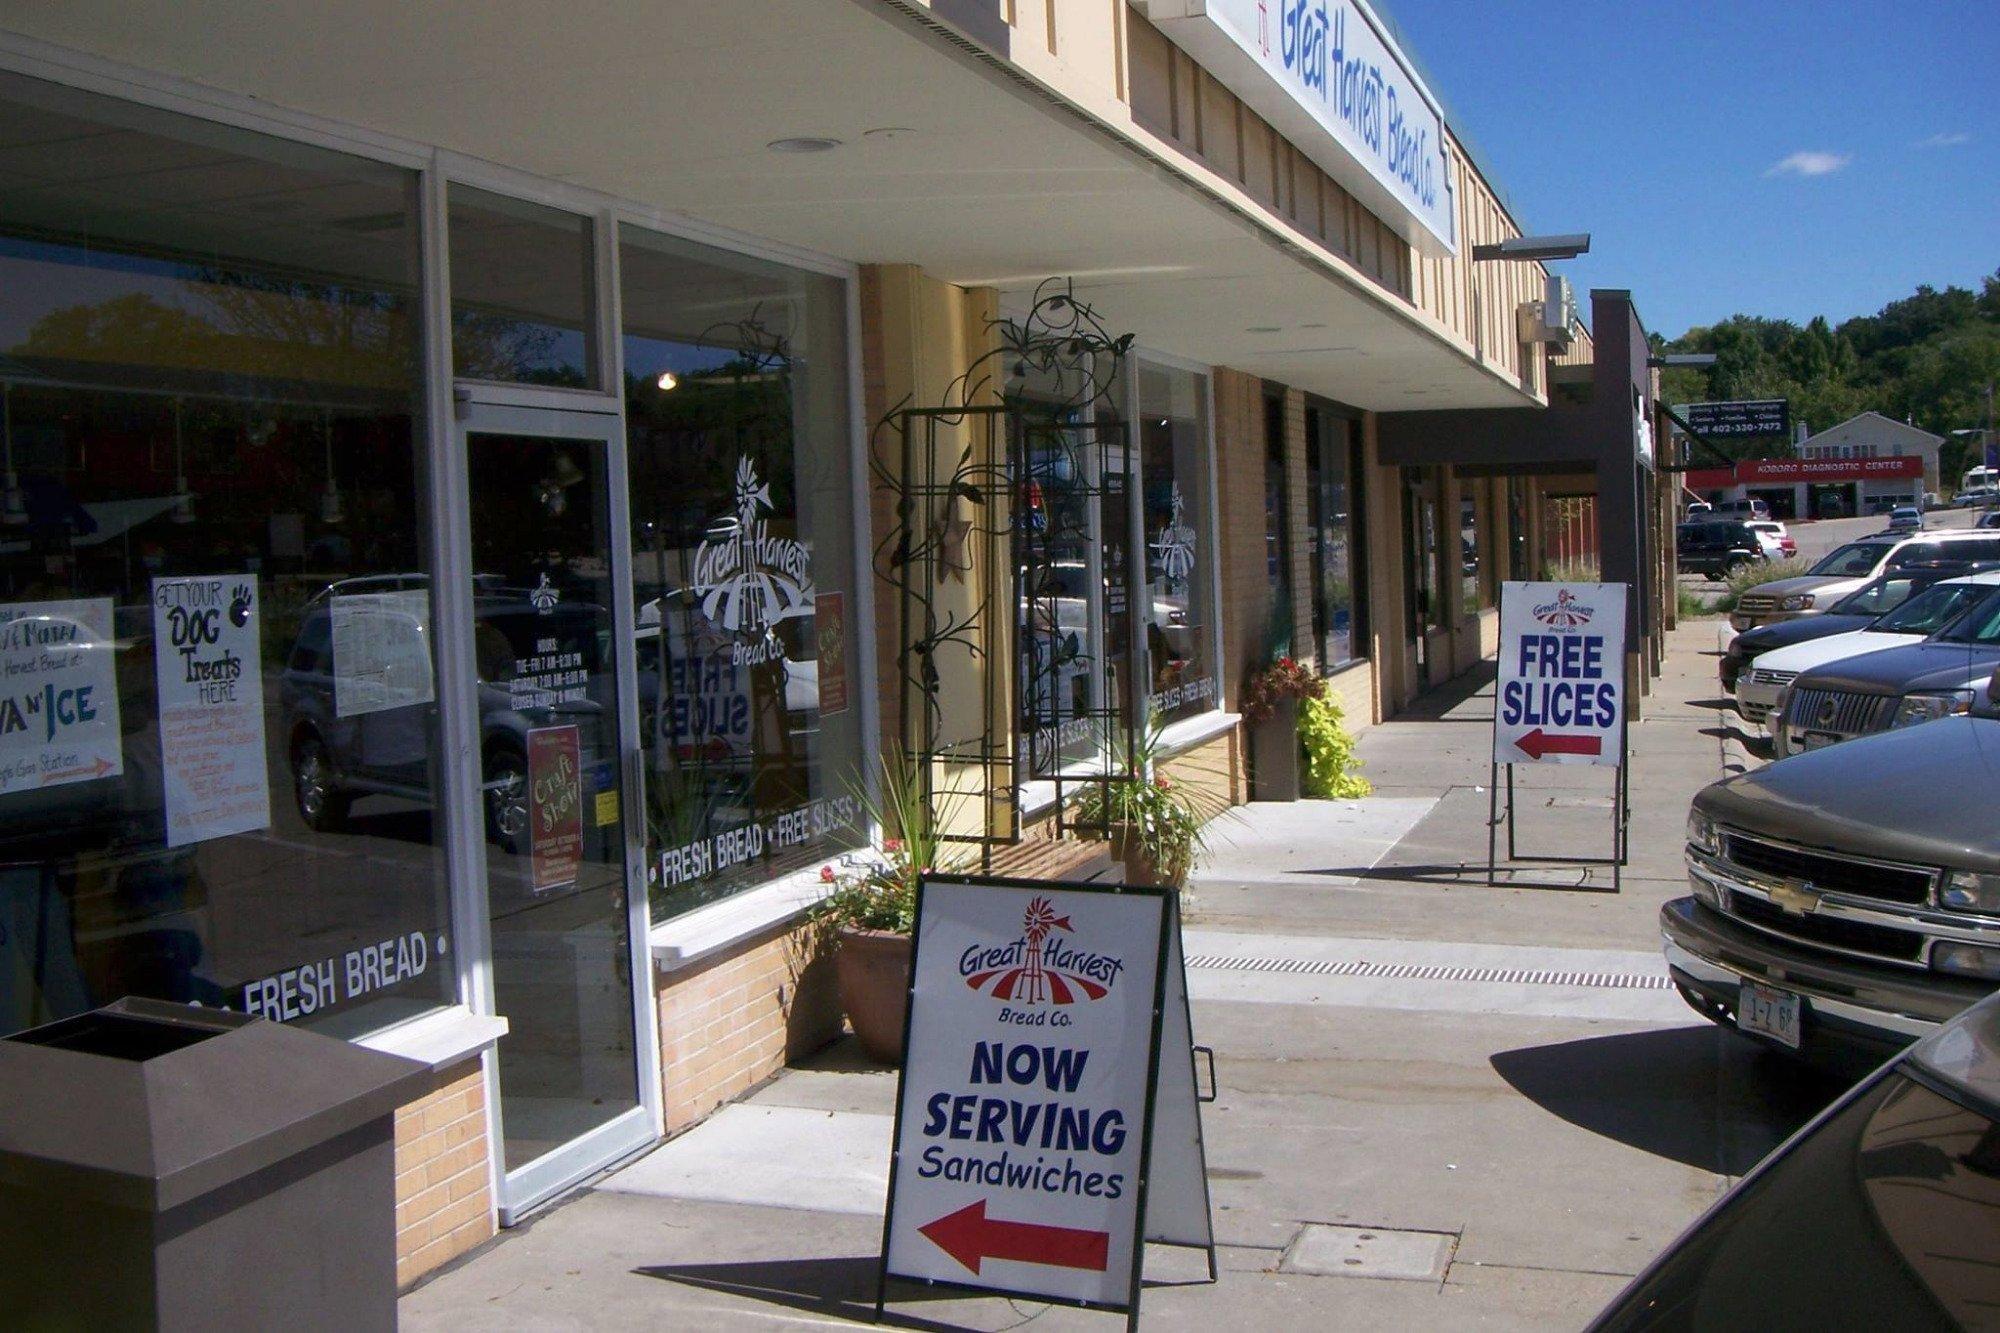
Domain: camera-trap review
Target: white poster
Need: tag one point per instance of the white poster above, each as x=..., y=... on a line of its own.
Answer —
x=205, y=637
x=1561, y=692
x=381, y=651
x=58, y=694
x=1024, y=1089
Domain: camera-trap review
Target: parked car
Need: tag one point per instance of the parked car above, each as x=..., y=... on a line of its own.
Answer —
x=1778, y=543
x=1990, y=519
x=1716, y=550
x=1697, y=509
x=1857, y=610
x=1846, y=901
x=1741, y=510
x=1906, y=518
x=1879, y=1214
x=1895, y=688
x=1847, y=568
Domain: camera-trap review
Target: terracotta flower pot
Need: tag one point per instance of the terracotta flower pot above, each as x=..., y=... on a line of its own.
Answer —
x=871, y=969
x=1140, y=865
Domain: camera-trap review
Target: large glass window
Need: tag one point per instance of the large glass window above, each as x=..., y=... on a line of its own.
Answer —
x=1178, y=614
x=216, y=683
x=1332, y=536
x=743, y=565
x=1277, y=530
x=1471, y=579
x=521, y=284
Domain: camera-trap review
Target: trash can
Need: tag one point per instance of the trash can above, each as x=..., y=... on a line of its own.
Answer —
x=165, y=1166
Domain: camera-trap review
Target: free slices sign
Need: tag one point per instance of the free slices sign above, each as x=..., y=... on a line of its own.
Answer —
x=1022, y=1116
x=1561, y=692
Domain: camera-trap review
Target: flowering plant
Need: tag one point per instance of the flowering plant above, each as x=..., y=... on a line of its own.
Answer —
x=1284, y=679
x=877, y=890
x=1159, y=817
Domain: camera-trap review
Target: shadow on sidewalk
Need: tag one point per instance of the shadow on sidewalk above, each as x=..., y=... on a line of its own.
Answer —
x=1692, y=1094
x=1437, y=704
x=1472, y=874
x=841, y=1288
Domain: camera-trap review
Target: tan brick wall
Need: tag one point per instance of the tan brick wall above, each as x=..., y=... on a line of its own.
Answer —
x=1246, y=585
x=729, y=1022
x=1215, y=767
x=444, y=1196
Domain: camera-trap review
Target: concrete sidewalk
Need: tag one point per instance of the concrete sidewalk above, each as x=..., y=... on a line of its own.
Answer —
x=1495, y=1080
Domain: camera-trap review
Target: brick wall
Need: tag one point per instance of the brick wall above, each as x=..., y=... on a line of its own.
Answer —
x=444, y=1198
x=1246, y=584
x=1216, y=767
x=729, y=1022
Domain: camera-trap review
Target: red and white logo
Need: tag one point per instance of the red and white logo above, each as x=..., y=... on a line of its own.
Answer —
x=1040, y=967
x=1565, y=612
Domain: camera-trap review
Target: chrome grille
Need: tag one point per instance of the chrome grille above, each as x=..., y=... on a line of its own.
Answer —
x=1881, y=880
x=1753, y=603
x=1855, y=937
x=1838, y=711
x=1764, y=677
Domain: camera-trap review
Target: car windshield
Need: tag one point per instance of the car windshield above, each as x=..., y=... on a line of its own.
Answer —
x=1884, y=594
x=1933, y=609
x=1852, y=559
x=1901, y=1183
x=1980, y=625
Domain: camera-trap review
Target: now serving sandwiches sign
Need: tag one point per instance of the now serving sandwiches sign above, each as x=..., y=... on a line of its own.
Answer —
x=1025, y=1107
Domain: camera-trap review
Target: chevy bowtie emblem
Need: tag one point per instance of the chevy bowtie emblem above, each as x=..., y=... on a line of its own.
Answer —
x=1798, y=899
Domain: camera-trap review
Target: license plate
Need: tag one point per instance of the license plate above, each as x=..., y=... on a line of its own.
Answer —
x=1814, y=740
x=1769, y=1012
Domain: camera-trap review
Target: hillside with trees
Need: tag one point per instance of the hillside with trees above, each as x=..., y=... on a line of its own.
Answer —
x=1927, y=358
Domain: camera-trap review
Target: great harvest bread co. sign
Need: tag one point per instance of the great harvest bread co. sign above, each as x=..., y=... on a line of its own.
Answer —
x=1327, y=69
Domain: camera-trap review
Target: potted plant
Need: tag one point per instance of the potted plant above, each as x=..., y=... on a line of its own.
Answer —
x=872, y=908
x=1154, y=823
x=1270, y=704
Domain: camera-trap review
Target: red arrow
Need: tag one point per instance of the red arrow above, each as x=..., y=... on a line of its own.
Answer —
x=969, y=1237
x=97, y=770
x=1538, y=743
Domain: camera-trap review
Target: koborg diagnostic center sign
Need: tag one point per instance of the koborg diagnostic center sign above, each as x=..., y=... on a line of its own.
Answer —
x=1033, y=1071
x=1561, y=692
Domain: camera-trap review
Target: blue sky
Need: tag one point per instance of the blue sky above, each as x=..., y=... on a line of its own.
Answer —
x=1767, y=157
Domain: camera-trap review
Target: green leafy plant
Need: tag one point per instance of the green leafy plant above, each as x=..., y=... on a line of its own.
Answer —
x=1692, y=605
x=1330, y=761
x=878, y=890
x=1164, y=819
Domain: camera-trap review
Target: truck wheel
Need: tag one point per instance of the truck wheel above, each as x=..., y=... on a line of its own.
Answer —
x=322, y=806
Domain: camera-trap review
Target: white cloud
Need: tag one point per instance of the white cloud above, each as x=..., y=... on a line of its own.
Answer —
x=1809, y=163
x=1943, y=140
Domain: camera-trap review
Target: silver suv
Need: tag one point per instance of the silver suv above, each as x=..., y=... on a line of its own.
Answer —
x=1852, y=566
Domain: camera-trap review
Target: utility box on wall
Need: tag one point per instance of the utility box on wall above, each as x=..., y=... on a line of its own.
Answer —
x=164, y=1166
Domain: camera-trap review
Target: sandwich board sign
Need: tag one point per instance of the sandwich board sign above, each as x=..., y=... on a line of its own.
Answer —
x=1560, y=698
x=1030, y=1158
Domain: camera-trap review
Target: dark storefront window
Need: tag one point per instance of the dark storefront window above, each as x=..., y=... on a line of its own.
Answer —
x=1332, y=537
x=217, y=698
x=1178, y=615
x=1277, y=530
x=743, y=568
x=521, y=284
x=1519, y=565
x=1470, y=569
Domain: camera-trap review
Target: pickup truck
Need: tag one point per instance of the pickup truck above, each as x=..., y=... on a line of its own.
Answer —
x=1846, y=901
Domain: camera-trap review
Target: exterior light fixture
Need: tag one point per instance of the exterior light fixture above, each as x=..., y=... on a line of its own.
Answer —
x=668, y=381
x=1681, y=360
x=804, y=143
x=1534, y=247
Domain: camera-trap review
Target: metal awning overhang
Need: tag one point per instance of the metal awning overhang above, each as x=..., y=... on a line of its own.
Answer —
x=670, y=104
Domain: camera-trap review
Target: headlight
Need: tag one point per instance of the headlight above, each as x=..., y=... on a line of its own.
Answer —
x=1967, y=960
x=1798, y=601
x=1701, y=833
x=1965, y=891
x=1917, y=708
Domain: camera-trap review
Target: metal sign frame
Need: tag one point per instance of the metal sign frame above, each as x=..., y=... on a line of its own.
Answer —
x=1168, y=933
x=1621, y=791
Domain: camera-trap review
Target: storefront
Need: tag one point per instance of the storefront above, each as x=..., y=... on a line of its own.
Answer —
x=413, y=591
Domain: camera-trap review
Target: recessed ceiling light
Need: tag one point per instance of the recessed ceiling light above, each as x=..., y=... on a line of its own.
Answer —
x=668, y=381
x=1264, y=328
x=888, y=132
x=804, y=143
x=1313, y=326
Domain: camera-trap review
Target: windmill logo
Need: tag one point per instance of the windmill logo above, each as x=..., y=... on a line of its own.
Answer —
x=1040, y=967
x=1565, y=612
x=746, y=579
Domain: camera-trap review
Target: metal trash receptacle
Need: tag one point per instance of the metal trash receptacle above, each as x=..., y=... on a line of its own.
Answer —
x=163, y=1166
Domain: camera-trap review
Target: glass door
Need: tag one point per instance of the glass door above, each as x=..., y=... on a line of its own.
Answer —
x=553, y=648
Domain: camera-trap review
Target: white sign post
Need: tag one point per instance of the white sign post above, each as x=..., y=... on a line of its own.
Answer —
x=1560, y=695
x=1025, y=1134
